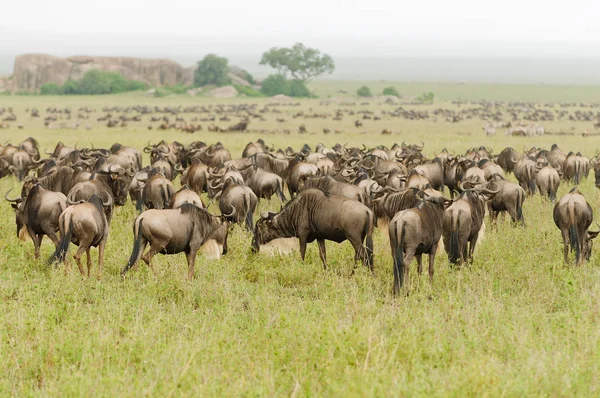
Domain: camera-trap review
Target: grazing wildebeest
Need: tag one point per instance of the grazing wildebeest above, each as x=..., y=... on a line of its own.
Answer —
x=38, y=213
x=328, y=184
x=242, y=199
x=573, y=216
x=463, y=221
x=415, y=232
x=510, y=198
x=173, y=231
x=316, y=215
x=185, y=195
x=157, y=191
x=548, y=181
x=85, y=225
x=508, y=158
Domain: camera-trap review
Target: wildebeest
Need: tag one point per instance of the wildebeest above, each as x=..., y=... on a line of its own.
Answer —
x=525, y=171
x=38, y=213
x=328, y=184
x=86, y=225
x=317, y=215
x=463, y=221
x=242, y=199
x=547, y=180
x=157, y=191
x=510, y=198
x=415, y=232
x=575, y=167
x=173, y=231
x=508, y=158
x=573, y=216
x=185, y=195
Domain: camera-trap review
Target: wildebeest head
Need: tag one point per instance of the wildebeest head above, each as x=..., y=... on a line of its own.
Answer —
x=266, y=230
x=17, y=205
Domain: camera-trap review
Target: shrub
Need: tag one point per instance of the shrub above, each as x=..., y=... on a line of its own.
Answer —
x=50, y=89
x=391, y=91
x=248, y=91
x=70, y=87
x=274, y=85
x=427, y=98
x=364, y=91
x=298, y=89
x=278, y=84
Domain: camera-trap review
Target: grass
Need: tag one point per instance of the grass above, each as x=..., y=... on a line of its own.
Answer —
x=517, y=322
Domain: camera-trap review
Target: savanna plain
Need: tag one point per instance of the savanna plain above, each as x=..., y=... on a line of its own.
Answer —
x=515, y=322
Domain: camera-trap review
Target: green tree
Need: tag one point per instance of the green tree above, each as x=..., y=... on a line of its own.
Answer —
x=274, y=85
x=50, y=89
x=70, y=87
x=212, y=70
x=427, y=98
x=364, y=91
x=301, y=62
x=391, y=91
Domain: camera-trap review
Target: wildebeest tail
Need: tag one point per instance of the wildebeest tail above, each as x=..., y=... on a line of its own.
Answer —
x=573, y=233
x=552, y=189
x=454, y=250
x=369, y=241
x=577, y=176
x=137, y=244
x=248, y=212
x=165, y=197
x=520, y=199
x=139, y=204
x=280, y=191
x=60, y=254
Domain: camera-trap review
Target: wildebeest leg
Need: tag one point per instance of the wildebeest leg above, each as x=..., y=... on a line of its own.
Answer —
x=77, y=257
x=419, y=263
x=472, y=248
x=88, y=255
x=191, y=260
x=53, y=238
x=323, y=254
x=37, y=242
x=565, y=238
x=303, y=242
x=431, y=262
x=408, y=257
x=155, y=248
x=101, y=257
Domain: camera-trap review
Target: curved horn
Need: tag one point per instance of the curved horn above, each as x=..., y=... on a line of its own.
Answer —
x=48, y=153
x=16, y=200
x=264, y=215
x=73, y=203
x=109, y=203
x=232, y=213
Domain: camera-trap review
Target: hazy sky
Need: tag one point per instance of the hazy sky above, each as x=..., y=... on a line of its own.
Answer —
x=339, y=27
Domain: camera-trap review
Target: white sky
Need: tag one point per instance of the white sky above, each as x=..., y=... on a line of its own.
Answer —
x=338, y=27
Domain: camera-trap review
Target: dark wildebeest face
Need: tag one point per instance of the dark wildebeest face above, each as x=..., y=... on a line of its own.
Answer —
x=264, y=231
x=588, y=243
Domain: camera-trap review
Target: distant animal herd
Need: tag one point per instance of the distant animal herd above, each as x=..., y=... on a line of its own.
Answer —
x=336, y=194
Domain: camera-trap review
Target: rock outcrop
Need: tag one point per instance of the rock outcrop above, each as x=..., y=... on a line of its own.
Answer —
x=34, y=70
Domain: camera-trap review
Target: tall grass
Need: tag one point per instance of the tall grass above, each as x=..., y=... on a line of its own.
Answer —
x=516, y=322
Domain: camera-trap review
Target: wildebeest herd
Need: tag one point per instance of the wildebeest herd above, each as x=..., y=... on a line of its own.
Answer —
x=337, y=194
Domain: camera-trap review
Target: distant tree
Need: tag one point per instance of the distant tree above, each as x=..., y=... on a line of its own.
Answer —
x=302, y=63
x=427, y=98
x=391, y=91
x=212, y=70
x=70, y=87
x=50, y=89
x=274, y=85
x=364, y=91
x=278, y=84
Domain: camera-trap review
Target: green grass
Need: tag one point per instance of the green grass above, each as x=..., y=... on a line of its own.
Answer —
x=517, y=322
